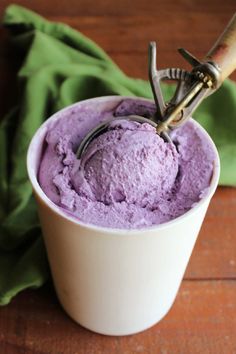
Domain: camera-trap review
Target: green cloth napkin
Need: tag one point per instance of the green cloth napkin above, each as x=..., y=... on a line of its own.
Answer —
x=61, y=66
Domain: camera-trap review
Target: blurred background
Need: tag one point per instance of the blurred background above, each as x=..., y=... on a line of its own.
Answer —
x=123, y=29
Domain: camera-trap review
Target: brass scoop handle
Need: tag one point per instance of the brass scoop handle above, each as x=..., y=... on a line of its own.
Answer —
x=223, y=53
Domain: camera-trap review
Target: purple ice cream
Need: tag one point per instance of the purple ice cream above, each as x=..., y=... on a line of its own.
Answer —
x=124, y=165
x=128, y=177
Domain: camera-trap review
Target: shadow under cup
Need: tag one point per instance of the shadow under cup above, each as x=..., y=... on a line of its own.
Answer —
x=111, y=281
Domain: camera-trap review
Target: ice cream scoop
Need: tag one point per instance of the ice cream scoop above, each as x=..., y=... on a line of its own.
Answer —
x=103, y=127
x=125, y=177
x=126, y=164
x=192, y=87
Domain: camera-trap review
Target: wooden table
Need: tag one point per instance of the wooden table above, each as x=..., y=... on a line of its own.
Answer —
x=203, y=318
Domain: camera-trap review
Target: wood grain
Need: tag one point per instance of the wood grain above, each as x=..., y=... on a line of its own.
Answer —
x=155, y=9
x=132, y=26
x=214, y=256
x=201, y=321
x=203, y=318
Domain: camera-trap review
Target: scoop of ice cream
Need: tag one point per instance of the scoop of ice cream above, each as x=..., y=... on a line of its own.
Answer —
x=128, y=178
x=129, y=163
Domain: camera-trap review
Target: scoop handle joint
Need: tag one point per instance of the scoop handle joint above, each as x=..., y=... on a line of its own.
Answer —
x=223, y=52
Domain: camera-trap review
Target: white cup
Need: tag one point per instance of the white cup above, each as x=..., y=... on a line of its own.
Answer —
x=115, y=282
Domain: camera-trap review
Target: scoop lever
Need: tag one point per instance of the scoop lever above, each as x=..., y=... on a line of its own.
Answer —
x=192, y=87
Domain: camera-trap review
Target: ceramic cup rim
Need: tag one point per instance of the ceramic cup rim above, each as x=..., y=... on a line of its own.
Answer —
x=108, y=230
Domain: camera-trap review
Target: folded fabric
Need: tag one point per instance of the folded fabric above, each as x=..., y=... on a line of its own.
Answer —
x=60, y=67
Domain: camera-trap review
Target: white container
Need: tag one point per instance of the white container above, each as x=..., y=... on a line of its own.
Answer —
x=115, y=282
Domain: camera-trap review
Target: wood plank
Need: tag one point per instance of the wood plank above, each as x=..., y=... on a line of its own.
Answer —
x=133, y=33
x=123, y=7
x=214, y=255
x=202, y=320
x=129, y=50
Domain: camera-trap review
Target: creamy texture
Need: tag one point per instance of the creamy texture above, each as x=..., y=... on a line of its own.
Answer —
x=128, y=177
x=126, y=164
